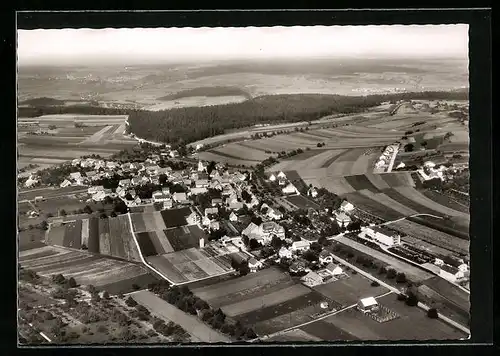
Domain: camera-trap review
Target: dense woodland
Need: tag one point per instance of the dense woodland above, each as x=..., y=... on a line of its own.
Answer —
x=185, y=125
x=207, y=91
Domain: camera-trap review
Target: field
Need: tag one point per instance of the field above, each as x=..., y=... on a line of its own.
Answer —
x=100, y=134
x=194, y=326
x=414, y=273
x=412, y=324
x=111, y=236
x=193, y=264
x=86, y=268
x=348, y=291
x=269, y=300
x=302, y=202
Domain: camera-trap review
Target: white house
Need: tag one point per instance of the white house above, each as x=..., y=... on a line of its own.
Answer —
x=174, y=154
x=312, y=279
x=193, y=218
x=325, y=257
x=233, y=217
x=160, y=197
x=274, y=214
x=438, y=262
x=99, y=196
x=65, y=183
x=95, y=189
x=214, y=225
x=281, y=175
x=346, y=207
x=312, y=192
x=451, y=273
x=178, y=197
x=342, y=219
x=367, y=305
x=334, y=269
x=201, y=167
x=302, y=245
x=254, y=265
x=272, y=178
x=124, y=183
x=167, y=204
x=290, y=189
x=383, y=235
x=196, y=191
x=211, y=211
x=76, y=176
x=201, y=183
x=284, y=252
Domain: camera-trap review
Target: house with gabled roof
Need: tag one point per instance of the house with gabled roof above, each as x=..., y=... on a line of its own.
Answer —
x=325, y=257
x=347, y=207
x=233, y=217
x=290, y=189
x=334, y=269
x=65, y=183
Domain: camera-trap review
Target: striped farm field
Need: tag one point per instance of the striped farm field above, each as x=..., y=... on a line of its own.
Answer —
x=93, y=245
x=104, y=243
x=234, y=150
x=246, y=284
x=432, y=236
x=122, y=241
x=265, y=300
x=421, y=199
x=73, y=234
x=210, y=156
x=361, y=182
x=373, y=207
x=388, y=202
x=84, y=267
x=55, y=235
x=85, y=232
x=146, y=244
x=138, y=223
x=446, y=201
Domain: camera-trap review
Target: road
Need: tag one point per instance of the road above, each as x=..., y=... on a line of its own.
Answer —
x=35, y=329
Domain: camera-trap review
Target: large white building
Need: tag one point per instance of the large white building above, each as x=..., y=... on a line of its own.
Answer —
x=383, y=235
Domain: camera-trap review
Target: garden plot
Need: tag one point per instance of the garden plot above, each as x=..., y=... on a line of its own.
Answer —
x=361, y=182
x=182, y=238
x=446, y=201
x=73, y=234
x=138, y=223
x=104, y=243
x=153, y=221
x=55, y=235
x=85, y=232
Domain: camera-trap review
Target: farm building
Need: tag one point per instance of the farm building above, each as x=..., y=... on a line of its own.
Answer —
x=284, y=252
x=271, y=213
x=271, y=228
x=124, y=183
x=167, y=204
x=383, y=235
x=451, y=273
x=174, y=154
x=211, y=211
x=264, y=232
x=31, y=182
x=197, y=191
x=334, y=269
x=178, y=197
x=312, y=279
x=300, y=245
x=201, y=167
x=342, y=219
x=290, y=189
x=367, y=305
x=216, y=201
x=325, y=257
x=160, y=197
x=456, y=262
x=254, y=265
x=65, y=183
x=297, y=267
x=346, y=207
x=312, y=192
x=201, y=183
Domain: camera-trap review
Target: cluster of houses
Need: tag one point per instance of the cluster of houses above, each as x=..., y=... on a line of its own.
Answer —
x=287, y=187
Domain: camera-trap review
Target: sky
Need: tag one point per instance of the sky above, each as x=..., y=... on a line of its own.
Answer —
x=139, y=45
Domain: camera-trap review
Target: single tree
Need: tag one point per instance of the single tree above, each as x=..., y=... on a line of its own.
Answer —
x=72, y=282
x=432, y=313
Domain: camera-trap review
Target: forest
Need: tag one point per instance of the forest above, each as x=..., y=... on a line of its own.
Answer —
x=207, y=91
x=189, y=124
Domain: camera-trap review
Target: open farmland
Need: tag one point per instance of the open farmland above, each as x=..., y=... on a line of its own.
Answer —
x=193, y=264
x=97, y=134
x=269, y=300
x=110, y=236
x=86, y=268
x=412, y=324
x=414, y=273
